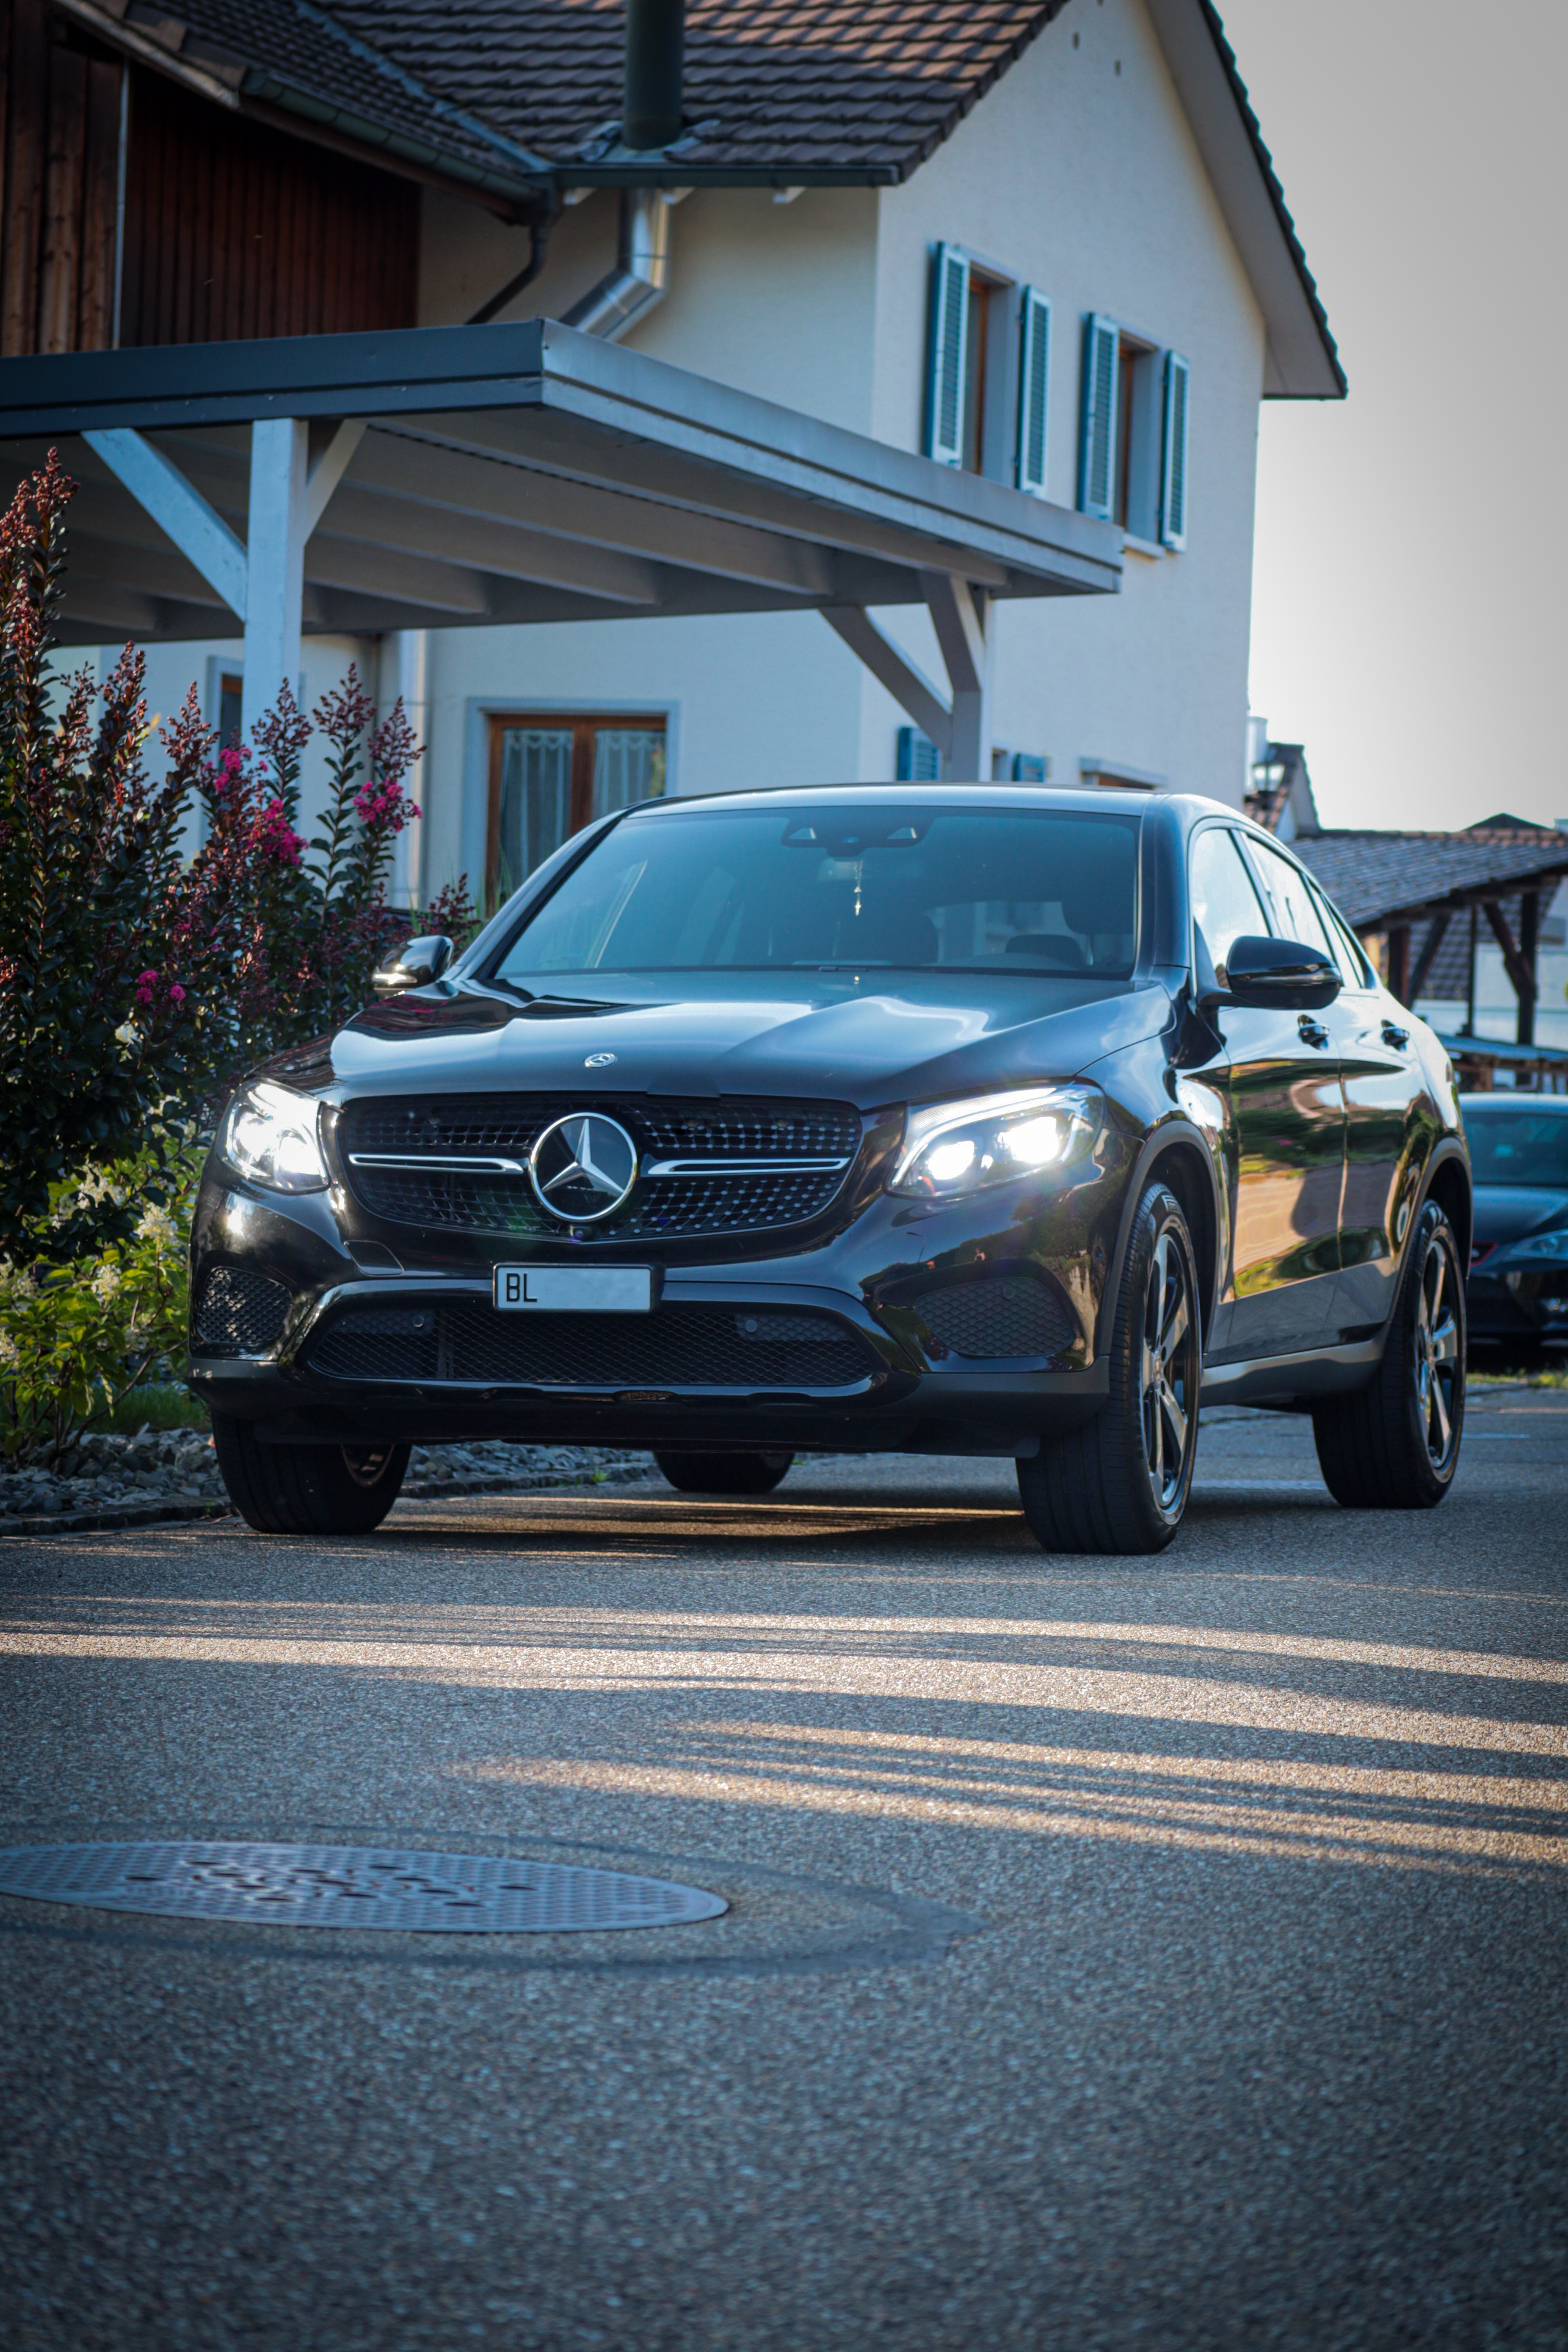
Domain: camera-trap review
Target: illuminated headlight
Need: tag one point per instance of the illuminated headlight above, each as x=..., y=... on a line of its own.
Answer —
x=269, y=1136
x=1548, y=1251
x=951, y=1149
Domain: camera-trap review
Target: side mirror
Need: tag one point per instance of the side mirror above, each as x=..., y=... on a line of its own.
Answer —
x=1283, y=974
x=414, y=964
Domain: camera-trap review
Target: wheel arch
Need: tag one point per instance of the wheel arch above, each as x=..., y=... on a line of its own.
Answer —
x=1177, y=1155
x=1449, y=1184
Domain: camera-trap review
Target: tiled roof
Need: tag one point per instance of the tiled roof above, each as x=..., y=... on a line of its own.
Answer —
x=1375, y=878
x=865, y=88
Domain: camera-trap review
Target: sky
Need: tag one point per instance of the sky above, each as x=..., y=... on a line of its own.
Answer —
x=1409, y=608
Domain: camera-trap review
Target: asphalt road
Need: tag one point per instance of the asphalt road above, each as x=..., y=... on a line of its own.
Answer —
x=1120, y=1954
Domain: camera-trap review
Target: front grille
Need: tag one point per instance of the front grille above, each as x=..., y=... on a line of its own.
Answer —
x=241, y=1311
x=674, y=1348
x=1004, y=1315
x=720, y=1199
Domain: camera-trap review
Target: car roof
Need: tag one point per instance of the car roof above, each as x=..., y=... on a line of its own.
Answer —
x=1129, y=800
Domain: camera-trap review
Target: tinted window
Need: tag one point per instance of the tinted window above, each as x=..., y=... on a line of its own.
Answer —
x=1295, y=916
x=1226, y=905
x=1518, y=1146
x=768, y=887
x=1347, y=954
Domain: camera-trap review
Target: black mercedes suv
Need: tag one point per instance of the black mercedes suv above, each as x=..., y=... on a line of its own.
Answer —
x=947, y=1118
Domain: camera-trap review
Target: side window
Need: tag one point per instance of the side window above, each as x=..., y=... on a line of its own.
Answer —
x=1347, y=954
x=1226, y=905
x=1290, y=900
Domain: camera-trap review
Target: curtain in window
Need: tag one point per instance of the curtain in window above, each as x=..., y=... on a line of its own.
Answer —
x=628, y=767
x=535, y=799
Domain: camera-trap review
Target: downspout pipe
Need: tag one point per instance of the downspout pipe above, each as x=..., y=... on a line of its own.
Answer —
x=641, y=274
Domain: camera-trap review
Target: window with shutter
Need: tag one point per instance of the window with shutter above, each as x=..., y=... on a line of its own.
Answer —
x=920, y=762
x=1034, y=388
x=1097, y=440
x=948, y=356
x=1174, y=460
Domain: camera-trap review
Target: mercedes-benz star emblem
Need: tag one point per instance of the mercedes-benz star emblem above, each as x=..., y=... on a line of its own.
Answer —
x=597, y=1061
x=583, y=1167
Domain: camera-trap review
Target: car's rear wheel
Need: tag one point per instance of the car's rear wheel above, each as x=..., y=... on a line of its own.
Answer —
x=1121, y=1483
x=1395, y=1445
x=307, y=1490
x=725, y=1474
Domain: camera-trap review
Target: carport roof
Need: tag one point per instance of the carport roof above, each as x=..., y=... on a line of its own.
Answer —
x=518, y=473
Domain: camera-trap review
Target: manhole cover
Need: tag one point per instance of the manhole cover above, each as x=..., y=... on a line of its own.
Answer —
x=350, y=1886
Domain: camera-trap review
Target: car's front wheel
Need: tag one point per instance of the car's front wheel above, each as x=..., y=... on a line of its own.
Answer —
x=1121, y=1483
x=1395, y=1445
x=307, y=1490
x=725, y=1474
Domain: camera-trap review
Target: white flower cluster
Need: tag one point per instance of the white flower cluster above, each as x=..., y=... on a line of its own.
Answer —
x=157, y=1226
x=16, y=1282
x=129, y=1035
x=10, y=1354
x=105, y=1282
x=94, y=1187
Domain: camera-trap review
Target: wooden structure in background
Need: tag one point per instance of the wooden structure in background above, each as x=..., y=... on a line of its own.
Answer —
x=134, y=212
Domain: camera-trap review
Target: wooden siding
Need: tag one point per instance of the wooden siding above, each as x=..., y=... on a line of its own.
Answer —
x=231, y=228
x=59, y=113
x=234, y=229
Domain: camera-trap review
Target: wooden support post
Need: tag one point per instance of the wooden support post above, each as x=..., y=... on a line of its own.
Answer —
x=1522, y=974
x=1470, y=985
x=1399, y=962
x=275, y=560
x=1528, y=936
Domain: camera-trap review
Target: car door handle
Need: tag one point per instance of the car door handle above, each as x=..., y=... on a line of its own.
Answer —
x=1392, y=1035
x=1312, y=1032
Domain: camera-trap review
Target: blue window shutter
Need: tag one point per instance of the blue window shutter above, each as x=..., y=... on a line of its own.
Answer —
x=1034, y=389
x=1030, y=768
x=920, y=762
x=1097, y=440
x=1173, y=453
x=948, y=335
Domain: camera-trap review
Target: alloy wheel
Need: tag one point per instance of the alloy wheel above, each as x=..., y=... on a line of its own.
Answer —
x=1168, y=1376
x=1439, y=1370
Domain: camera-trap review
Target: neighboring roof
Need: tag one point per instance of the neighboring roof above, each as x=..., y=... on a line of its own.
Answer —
x=522, y=96
x=1381, y=878
x=516, y=473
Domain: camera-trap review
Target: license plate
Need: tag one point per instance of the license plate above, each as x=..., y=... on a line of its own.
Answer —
x=575, y=1289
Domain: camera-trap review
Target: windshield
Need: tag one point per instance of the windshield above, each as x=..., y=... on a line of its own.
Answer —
x=1519, y=1146
x=844, y=888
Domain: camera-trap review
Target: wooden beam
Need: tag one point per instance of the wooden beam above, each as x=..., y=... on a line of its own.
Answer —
x=59, y=269
x=1528, y=936
x=21, y=227
x=1519, y=974
x=891, y=668
x=1398, y=936
x=178, y=508
x=1428, y=955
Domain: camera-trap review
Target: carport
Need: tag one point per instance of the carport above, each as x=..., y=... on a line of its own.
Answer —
x=444, y=477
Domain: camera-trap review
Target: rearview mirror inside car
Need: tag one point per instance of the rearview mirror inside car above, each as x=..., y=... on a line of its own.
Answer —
x=1281, y=973
x=413, y=965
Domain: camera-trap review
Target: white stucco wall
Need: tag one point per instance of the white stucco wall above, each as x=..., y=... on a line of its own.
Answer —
x=1086, y=183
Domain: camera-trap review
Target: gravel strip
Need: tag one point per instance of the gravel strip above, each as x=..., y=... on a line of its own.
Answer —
x=134, y=1482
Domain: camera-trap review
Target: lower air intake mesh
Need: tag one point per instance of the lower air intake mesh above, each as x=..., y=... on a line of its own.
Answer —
x=241, y=1312
x=1007, y=1315
x=673, y=1347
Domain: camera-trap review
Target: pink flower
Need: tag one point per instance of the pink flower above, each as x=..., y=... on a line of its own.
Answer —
x=176, y=994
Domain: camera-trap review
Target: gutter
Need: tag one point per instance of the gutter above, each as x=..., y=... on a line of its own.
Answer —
x=640, y=279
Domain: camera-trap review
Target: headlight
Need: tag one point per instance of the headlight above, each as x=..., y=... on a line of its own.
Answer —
x=951, y=1149
x=269, y=1135
x=1534, y=1250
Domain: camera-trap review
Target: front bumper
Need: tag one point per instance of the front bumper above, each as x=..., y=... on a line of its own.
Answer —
x=1519, y=1303
x=886, y=1288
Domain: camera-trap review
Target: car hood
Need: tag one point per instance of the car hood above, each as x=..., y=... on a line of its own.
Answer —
x=869, y=1042
x=1508, y=1213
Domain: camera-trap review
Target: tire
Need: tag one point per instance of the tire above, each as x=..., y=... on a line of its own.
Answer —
x=1121, y=1483
x=725, y=1474
x=1395, y=1445
x=307, y=1490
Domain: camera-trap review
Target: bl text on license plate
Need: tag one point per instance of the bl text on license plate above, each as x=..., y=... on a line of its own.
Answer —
x=575, y=1289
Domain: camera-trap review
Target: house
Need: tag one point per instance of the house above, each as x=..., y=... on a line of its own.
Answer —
x=1038, y=241
x=1469, y=929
